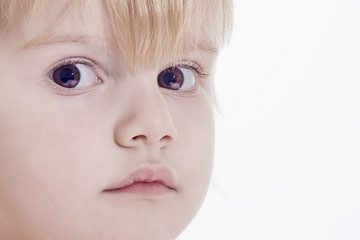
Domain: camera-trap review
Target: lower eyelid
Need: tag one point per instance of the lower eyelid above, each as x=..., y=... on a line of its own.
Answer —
x=67, y=91
x=192, y=92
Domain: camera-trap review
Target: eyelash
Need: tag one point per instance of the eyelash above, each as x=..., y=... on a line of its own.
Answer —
x=197, y=68
x=200, y=75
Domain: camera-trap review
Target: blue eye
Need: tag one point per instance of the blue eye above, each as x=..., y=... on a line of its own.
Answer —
x=176, y=78
x=74, y=75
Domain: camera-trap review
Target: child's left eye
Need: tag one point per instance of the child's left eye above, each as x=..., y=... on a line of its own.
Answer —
x=176, y=78
x=74, y=75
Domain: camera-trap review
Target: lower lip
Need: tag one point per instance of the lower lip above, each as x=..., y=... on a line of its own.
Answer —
x=143, y=188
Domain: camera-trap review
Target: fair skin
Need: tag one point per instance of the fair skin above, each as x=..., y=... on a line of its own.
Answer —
x=60, y=150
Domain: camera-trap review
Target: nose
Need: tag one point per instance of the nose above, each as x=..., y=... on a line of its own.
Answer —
x=146, y=121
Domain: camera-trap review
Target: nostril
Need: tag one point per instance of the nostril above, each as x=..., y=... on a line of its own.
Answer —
x=165, y=138
x=139, y=137
x=145, y=139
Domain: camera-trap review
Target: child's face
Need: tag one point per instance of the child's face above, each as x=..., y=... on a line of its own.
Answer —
x=63, y=149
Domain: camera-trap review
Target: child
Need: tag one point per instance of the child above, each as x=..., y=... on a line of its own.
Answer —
x=106, y=116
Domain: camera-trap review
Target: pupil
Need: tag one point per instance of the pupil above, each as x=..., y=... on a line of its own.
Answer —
x=66, y=75
x=169, y=78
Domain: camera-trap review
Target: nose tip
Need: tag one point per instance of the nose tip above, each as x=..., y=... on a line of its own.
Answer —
x=154, y=136
x=149, y=124
x=149, y=135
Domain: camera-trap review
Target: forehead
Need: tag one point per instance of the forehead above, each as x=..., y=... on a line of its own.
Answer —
x=142, y=33
x=67, y=19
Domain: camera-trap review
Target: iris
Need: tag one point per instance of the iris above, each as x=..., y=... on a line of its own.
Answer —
x=171, y=78
x=67, y=76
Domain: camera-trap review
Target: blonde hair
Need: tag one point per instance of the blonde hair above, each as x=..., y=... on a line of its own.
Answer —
x=146, y=31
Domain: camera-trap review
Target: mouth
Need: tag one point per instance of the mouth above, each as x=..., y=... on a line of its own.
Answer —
x=145, y=182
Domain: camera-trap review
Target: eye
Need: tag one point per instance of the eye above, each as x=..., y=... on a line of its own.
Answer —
x=73, y=75
x=176, y=78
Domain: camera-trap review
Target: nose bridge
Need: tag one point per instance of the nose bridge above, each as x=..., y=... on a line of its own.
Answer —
x=151, y=111
x=148, y=119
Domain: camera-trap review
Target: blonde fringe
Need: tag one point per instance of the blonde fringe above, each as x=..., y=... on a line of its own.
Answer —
x=146, y=31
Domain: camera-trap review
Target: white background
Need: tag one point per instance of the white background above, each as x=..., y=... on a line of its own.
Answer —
x=287, y=162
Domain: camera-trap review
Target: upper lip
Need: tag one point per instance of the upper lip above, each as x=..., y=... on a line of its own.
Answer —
x=146, y=175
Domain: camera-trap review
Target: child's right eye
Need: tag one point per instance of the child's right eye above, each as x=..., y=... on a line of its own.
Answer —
x=73, y=75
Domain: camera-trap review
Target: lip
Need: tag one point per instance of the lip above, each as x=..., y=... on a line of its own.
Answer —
x=145, y=181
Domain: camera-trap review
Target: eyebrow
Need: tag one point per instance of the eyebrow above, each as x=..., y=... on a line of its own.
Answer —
x=45, y=41
x=48, y=40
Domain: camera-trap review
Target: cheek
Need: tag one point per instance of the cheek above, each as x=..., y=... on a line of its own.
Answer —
x=196, y=141
x=193, y=152
x=44, y=161
x=47, y=146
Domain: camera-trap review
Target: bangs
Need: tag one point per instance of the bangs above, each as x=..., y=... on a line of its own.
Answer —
x=150, y=31
x=145, y=31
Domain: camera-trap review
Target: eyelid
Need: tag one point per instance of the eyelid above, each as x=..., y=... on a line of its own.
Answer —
x=191, y=65
x=74, y=60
